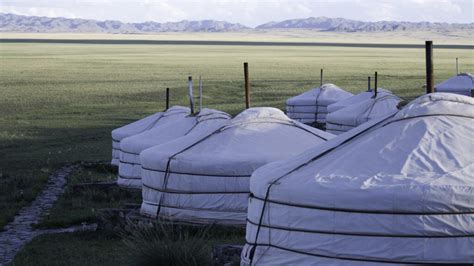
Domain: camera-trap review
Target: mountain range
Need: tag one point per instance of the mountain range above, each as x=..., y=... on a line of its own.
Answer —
x=19, y=23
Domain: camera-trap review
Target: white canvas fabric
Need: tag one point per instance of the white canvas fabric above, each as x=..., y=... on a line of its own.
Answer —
x=311, y=106
x=205, y=176
x=354, y=115
x=396, y=190
x=461, y=84
x=140, y=126
x=355, y=99
x=170, y=128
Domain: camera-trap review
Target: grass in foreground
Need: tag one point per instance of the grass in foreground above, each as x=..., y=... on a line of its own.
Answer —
x=81, y=248
x=162, y=244
x=171, y=244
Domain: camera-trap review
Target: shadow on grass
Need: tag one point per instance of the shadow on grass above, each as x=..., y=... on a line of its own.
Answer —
x=26, y=164
x=76, y=207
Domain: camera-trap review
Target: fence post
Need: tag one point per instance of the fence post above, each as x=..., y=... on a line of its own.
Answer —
x=247, y=85
x=167, y=98
x=368, y=83
x=429, y=67
x=321, y=78
x=190, y=94
x=457, y=66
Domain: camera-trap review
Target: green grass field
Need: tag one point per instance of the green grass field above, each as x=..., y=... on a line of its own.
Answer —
x=59, y=102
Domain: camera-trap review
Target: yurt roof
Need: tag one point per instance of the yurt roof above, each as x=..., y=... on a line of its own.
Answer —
x=463, y=82
x=356, y=99
x=419, y=160
x=164, y=132
x=325, y=95
x=146, y=123
x=254, y=137
x=356, y=114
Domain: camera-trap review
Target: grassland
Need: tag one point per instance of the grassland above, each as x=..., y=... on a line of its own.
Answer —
x=460, y=37
x=59, y=102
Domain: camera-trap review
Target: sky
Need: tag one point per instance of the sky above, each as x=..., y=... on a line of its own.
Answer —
x=247, y=12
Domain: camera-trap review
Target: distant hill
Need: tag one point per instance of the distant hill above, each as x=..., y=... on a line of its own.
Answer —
x=18, y=23
x=348, y=25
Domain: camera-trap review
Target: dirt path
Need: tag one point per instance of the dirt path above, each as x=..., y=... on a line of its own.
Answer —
x=19, y=232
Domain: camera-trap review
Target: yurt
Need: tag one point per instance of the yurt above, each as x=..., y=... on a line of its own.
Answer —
x=311, y=106
x=397, y=190
x=205, y=178
x=461, y=84
x=130, y=168
x=142, y=125
x=356, y=99
x=354, y=115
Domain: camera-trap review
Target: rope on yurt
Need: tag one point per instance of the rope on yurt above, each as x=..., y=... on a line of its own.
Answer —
x=173, y=191
x=307, y=130
x=198, y=121
x=353, y=259
x=322, y=232
x=163, y=114
x=428, y=115
x=192, y=174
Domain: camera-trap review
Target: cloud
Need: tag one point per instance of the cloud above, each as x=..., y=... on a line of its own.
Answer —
x=39, y=11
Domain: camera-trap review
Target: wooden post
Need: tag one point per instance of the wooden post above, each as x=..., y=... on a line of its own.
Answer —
x=190, y=94
x=321, y=78
x=457, y=66
x=247, y=85
x=368, y=83
x=429, y=67
x=375, y=85
x=167, y=98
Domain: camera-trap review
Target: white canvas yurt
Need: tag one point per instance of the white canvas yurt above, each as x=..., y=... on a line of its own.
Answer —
x=397, y=190
x=461, y=84
x=354, y=115
x=355, y=99
x=130, y=168
x=142, y=125
x=205, y=178
x=311, y=106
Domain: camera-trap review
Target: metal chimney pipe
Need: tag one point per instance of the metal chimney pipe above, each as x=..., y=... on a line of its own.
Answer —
x=376, y=85
x=190, y=94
